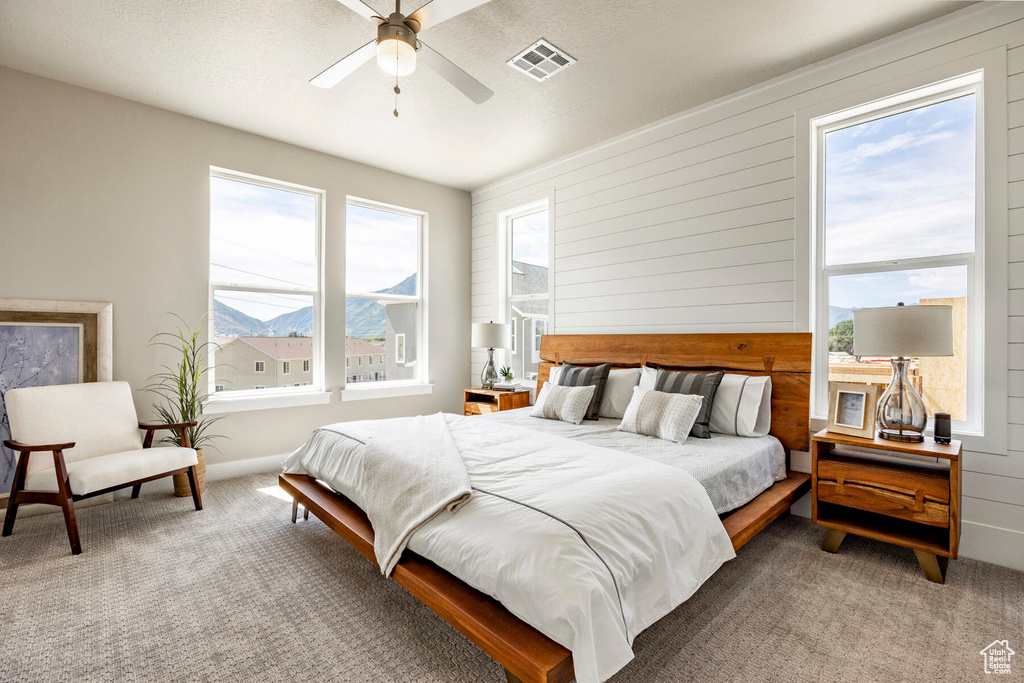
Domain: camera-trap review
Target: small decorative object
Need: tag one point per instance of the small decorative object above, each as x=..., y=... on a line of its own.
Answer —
x=183, y=389
x=491, y=336
x=901, y=333
x=851, y=409
x=943, y=430
x=506, y=373
x=44, y=342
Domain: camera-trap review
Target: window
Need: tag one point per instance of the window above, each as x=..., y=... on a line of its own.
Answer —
x=360, y=360
x=383, y=281
x=265, y=242
x=259, y=386
x=305, y=368
x=286, y=368
x=348, y=362
x=897, y=214
x=524, y=249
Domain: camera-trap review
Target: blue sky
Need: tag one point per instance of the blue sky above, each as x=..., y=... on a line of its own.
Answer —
x=530, y=238
x=901, y=187
x=260, y=235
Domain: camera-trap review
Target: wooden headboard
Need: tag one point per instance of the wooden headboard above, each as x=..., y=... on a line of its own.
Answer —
x=785, y=357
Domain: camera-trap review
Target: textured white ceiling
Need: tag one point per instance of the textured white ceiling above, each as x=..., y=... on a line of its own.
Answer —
x=247, y=63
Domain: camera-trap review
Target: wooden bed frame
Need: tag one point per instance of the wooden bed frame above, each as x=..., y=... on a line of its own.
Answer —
x=527, y=655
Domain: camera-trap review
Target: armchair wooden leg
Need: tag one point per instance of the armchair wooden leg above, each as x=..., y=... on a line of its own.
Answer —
x=67, y=504
x=136, y=490
x=17, y=485
x=193, y=483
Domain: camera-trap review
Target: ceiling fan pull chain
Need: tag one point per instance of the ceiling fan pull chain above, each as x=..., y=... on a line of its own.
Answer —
x=397, y=93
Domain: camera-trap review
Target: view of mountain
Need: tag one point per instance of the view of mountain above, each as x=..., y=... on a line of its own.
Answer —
x=837, y=313
x=229, y=322
x=363, y=318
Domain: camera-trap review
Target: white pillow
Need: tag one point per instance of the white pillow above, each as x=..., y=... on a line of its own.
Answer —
x=618, y=391
x=555, y=372
x=568, y=404
x=648, y=377
x=742, y=406
x=669, y=417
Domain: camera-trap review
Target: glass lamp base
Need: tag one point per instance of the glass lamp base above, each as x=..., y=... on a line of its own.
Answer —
x=905, y=437
x=489, y=375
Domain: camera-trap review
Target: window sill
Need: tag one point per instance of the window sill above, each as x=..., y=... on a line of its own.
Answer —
x=236, y=404
x=362, y=392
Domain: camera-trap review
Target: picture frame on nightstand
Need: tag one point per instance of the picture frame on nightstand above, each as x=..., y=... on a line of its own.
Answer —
x=851, y=409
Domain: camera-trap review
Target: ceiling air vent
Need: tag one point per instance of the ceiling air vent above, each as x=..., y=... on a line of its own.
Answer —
x=541, y=61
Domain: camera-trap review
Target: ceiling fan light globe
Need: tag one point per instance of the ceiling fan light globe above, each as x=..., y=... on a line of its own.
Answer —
x=396, y=57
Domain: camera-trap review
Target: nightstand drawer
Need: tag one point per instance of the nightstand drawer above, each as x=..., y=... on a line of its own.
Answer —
x=918, y=494
x=480, y=408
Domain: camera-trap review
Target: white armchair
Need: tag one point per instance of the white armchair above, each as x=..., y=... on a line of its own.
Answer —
x=97, y=446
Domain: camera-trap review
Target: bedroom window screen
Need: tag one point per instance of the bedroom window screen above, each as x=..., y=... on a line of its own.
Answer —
x=265, y=274
x=526, y=298
x=898, y=213
x=384, y=290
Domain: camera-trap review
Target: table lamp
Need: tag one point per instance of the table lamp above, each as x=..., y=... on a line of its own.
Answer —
x=902, y=332
x=491, y=336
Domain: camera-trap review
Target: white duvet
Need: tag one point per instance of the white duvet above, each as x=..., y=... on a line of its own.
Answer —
x=588, y=545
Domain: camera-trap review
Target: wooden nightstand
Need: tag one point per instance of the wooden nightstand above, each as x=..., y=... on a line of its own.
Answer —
x=483, y=401
x=915, y=505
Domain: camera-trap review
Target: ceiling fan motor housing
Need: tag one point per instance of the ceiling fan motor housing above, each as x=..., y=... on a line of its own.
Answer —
x=397, y=27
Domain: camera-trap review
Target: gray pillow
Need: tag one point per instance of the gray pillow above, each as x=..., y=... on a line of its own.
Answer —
x=596, y=376
x=703, y=384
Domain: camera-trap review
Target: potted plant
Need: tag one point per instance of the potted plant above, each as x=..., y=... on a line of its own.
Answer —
x=506, y=373
x=183, y=390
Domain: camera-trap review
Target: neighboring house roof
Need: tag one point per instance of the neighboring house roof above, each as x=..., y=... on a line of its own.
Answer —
x=281, y=348
x=528, y=278
x=361, y=347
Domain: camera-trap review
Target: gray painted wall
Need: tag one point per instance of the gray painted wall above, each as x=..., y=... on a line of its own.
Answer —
x=105, y=199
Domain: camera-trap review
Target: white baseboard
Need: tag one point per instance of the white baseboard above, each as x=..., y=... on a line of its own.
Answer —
x=992, y=544
x=222, y=470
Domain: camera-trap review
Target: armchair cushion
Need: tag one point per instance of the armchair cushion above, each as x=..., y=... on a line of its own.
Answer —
x=98, y=416
x=104, y=471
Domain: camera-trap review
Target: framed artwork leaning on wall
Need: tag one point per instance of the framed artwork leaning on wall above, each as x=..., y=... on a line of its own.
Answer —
x=45, y=342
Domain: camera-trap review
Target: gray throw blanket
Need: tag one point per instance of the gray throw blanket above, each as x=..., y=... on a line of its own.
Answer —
x=412, y=470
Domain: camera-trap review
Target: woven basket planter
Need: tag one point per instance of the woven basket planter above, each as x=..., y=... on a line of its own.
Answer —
x=181, y=487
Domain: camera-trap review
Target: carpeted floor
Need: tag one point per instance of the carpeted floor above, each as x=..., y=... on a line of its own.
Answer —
x=238, y=593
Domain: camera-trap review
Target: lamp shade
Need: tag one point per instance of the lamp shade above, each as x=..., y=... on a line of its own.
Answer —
x=492, y=335
x=907, y=331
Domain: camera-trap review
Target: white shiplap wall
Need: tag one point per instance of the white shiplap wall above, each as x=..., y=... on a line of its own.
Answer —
x=688, y=225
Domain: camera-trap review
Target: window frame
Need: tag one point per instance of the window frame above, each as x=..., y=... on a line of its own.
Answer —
x=259, y=366
x=974, y=261
x=518, y=209
x=888, y=83
x=420, y=383
x=315, y=392
x=286, y=367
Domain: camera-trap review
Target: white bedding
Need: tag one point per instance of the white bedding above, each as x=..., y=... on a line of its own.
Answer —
x=733, y=469
x=588, y=545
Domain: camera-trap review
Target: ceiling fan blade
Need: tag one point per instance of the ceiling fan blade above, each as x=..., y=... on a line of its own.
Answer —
x=332, y=75
x=433, y=13
x=360, y=8
x=470, y=87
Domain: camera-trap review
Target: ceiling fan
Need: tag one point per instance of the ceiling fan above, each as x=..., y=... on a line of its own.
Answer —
x=398, y=47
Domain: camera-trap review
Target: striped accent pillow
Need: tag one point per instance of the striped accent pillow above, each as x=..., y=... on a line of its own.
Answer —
x=568, y=404
x=669, y=417
x=596, y=376
x=703, y=384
